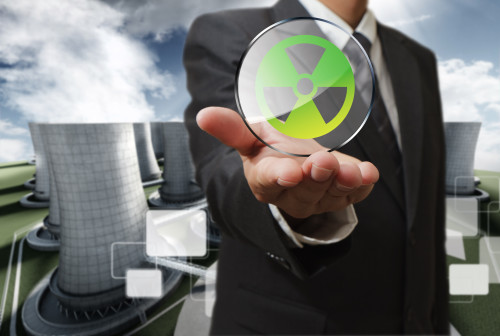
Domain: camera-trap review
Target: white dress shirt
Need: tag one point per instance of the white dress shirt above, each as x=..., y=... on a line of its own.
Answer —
x=335, y=226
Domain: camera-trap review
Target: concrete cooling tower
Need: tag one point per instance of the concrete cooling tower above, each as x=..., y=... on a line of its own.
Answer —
x=30, y=184
x=46, y=238
x=103, y=219
x=39, y=198
x=179, y=189
x=461, y=141
x=157, y=138
x=150, y=172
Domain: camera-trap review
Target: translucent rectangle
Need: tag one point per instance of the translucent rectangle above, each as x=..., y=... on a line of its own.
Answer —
x=455, y=244
x=210, y=292
x=489, y=254
x=462, y=215
x=142, y=283
x=469, y=279
x=176, y=233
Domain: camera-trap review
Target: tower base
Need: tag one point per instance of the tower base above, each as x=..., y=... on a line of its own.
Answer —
x=41, y=239
x=31, y=202
x=44, y=315
x=30, y=184
x=152, y=183
x=156, y=201
x=481, y=195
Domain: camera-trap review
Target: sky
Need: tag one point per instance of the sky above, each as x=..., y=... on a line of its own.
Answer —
x=121, y=61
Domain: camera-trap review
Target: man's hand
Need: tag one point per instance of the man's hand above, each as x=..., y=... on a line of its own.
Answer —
x=300, y=187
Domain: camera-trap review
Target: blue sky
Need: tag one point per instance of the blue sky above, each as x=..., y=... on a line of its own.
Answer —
x=94, y=61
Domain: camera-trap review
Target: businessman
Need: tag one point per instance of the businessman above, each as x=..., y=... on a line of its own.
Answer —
x=316, y=245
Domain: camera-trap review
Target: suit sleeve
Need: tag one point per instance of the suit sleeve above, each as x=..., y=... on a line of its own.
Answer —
x=441, y=307
x=213, y=48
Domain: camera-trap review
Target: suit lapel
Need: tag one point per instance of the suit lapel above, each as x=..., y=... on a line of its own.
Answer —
x=405, y=77
x=286, y=9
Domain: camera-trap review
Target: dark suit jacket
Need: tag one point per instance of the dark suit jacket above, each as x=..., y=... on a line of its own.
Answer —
x=389, y=276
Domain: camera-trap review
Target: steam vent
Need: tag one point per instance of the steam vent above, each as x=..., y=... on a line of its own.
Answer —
x=102, y=228
x=39, y=198
x=150, y=172
x=461, y=141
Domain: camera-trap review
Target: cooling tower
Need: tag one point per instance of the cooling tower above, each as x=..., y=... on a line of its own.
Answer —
x=179, y=189
x=461, y=140
x=46, y=238
x=39, y=198
x=103, y=218
x=150, y=172
x=157, y=138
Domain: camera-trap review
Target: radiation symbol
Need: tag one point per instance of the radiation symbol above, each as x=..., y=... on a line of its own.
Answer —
x=304, y=86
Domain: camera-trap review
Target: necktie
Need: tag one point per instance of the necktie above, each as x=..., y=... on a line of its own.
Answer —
x=379, y=112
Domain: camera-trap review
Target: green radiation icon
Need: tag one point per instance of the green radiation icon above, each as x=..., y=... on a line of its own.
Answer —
x=296, y=81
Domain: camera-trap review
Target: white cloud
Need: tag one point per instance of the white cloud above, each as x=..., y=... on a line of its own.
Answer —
x=468, y=89
x=13, y=150
x=159, y=17
x=471, y=92
x=488, y=148
x=70, y=61
x=405, y=22
x=7, y=128
x=402, y=11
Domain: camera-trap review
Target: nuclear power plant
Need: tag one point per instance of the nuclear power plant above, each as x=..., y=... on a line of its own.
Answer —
x=46, y=238
x=461, y=141
x=96, y=173
x=39, y=198
x=148, y=166
x=179, y=189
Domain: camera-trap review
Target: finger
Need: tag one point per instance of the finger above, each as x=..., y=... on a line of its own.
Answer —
x=318, y=169
x=227, y=126
x=272, y=175
x=348, y=179
x=360, y=194
x=320, y=166
x=345, y=158
x=369, y=173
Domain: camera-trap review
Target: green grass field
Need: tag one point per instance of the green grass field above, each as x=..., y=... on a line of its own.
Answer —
x=477, y=318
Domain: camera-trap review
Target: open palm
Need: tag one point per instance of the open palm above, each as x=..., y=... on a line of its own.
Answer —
x=298, y=186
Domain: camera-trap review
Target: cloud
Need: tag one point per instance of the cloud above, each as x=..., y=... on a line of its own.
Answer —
x=488, y=148
x=7, y=128
x=405, y=22
x=71, y=61
x=13, y=150
x=470, y=91
x=159, y=18
x=393, y=12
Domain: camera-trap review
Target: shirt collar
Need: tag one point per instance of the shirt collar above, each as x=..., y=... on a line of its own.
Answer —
x=367, y=26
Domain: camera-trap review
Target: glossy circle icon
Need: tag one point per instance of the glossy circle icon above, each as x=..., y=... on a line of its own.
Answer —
x=302, y=80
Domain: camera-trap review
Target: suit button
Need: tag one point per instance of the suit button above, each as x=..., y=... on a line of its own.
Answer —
x=282, y=261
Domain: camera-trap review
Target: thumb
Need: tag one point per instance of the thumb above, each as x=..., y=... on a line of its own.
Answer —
x=227, y=126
